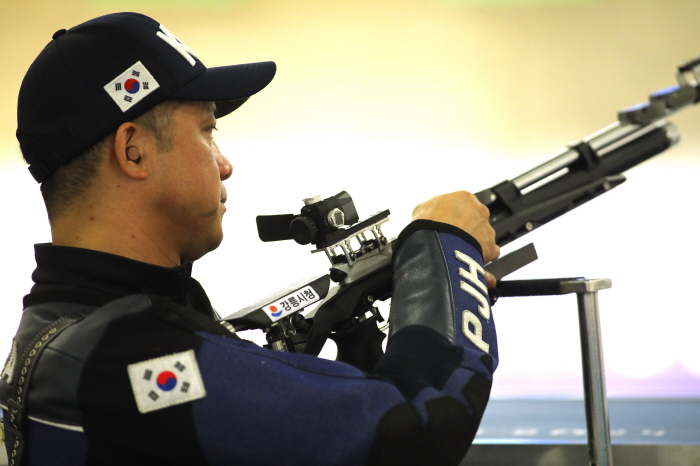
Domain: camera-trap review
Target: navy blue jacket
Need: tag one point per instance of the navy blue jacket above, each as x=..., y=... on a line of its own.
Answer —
x=421, y=405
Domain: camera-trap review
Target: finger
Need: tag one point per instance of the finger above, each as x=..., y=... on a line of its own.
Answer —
x=496, y=253
x=490, y=279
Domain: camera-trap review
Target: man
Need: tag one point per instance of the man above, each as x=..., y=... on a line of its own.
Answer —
x=127, y=362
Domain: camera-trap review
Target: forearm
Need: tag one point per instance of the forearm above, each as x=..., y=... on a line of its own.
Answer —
x=439, y=283
x=442, y=348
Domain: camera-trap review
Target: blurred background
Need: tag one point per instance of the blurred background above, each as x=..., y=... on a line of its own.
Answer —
x=396, y=101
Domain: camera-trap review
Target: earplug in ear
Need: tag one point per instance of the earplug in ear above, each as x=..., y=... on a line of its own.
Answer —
x=133, y=155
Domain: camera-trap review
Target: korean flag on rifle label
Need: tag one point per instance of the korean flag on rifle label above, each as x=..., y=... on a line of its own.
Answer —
x=166, y=381
x=292, y=302
x=131, y=86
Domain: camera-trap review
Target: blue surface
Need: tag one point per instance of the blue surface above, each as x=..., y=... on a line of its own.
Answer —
x=632, y=421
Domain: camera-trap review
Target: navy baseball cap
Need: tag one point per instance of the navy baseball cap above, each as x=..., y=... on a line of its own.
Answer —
x=95, y=76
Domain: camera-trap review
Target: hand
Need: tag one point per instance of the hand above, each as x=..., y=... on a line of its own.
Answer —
x=462, y=210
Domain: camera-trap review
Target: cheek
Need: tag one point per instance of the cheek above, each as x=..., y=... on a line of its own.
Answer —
x=192, y=177
x=206, y=184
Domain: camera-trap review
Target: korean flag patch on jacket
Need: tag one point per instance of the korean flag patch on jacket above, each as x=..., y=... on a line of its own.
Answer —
x=166, y=381
x=131, y=86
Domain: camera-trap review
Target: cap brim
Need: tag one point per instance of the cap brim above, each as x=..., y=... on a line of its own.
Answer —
x=228, y=86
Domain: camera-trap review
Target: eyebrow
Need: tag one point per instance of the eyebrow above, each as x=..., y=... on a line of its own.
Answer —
x=210, y=106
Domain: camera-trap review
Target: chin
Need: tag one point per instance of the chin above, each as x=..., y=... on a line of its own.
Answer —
x=197, y=251
x=215, y=239
x=215, y=244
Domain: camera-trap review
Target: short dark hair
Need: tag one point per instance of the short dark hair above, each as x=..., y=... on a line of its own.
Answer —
x=72, y=180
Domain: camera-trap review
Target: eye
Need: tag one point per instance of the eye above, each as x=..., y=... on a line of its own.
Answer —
x=209, y=131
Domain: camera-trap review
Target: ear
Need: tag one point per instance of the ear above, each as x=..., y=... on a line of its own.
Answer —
x=131, y=149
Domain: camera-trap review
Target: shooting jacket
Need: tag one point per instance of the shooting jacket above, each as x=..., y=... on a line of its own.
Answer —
x=147, y=375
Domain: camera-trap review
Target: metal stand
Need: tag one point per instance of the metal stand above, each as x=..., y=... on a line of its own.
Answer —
x=599, y=446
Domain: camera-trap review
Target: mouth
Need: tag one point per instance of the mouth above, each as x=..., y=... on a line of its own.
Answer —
x=223, y=195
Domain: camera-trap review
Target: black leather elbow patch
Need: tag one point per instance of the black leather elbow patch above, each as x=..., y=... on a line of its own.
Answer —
x=417, y=357
x=402, y=438
x=488, y=362
x=477, y=392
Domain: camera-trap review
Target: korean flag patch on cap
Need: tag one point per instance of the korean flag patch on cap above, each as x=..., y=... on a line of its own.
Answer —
x=166, y=381
x=131, y=86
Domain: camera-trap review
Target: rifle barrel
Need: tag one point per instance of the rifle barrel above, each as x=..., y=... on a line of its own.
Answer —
x=599, y=141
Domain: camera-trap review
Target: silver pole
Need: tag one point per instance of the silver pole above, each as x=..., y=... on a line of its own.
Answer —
x=599, y=447
x=595, y=400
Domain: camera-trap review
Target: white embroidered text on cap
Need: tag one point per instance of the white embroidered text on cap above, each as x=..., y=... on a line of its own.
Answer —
x=177, y=44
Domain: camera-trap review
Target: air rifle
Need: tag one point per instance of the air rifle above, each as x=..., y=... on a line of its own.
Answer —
x=361, y=255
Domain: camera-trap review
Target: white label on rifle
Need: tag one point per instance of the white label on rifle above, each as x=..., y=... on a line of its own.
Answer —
x=291, y=303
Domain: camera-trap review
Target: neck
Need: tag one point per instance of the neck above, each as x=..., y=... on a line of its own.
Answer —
x=118, y=230
x=123, y=240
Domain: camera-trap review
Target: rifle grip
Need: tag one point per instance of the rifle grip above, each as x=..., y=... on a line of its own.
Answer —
x=360, y=345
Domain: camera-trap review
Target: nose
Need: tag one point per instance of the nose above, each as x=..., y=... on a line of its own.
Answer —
x=225, y=167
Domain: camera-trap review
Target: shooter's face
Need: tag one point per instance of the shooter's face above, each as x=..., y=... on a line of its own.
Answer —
x=190, y=178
